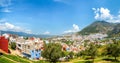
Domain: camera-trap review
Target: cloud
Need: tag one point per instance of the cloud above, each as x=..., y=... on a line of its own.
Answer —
x=74, y=29
x=104, y=14
x=47, y=32
x=6, y=26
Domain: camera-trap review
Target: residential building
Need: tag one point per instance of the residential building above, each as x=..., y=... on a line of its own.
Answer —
x=4, y=44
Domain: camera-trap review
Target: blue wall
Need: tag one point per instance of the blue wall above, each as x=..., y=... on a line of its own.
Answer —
x=35, y=54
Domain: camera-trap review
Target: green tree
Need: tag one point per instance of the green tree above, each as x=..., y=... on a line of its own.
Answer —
x=13, y=45
x=92, y=51
x=81, y=53
x=71, y=54
x=26, y=38
x=52, y=52
x=113, y=50
x=65, y=53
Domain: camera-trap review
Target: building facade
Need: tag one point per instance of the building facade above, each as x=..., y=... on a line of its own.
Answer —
x=4, y=44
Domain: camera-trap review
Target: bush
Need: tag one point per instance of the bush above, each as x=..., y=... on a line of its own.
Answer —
x=88, y=61
x=13, y=45
x=52, y=52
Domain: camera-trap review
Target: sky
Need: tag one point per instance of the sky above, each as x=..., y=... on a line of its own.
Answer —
x=55, y=17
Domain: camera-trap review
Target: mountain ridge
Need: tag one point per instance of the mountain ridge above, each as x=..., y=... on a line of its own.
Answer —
x=101, y=27
x=25, y=34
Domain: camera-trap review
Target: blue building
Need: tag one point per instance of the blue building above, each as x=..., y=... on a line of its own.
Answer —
x=67, y=49
x=35, y=54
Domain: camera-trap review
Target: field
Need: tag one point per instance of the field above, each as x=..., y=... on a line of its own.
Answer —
x=18, y=59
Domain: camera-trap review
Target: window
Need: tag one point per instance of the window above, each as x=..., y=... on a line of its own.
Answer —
x=19, y=45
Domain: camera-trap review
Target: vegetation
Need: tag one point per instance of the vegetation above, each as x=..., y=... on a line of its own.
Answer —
x=113, y=49
x=13, y=45
x=115, y=32
x=4, y=60
x=26, y=38
x=89, y=53
x=71, y=54
x=52, y=52
x=112, y=29
x=68, y=42
x=40, y=61
x=93, y=53
x=97, y=27
x=17, y=58
x=89, y=61
x=108, y=53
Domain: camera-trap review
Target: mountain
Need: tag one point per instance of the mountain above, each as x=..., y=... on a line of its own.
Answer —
x=25, y=34
x=98, y=27
x=116, y=31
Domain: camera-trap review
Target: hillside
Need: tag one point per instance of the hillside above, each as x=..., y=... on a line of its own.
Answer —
x=116, y=31
x=17, y=59
x=98, y=27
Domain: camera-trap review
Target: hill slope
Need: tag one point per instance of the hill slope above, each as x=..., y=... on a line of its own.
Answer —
x=116, y=31
x=98, y=27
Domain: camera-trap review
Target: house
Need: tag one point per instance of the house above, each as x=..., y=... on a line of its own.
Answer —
x=30, y=48
x=35, y=54
x=4, y=44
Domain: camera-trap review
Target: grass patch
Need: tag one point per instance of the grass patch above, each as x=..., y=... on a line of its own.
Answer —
x=88, y=61
x=17, y=58
x=41, y=61
x=110, y=59
x=4, y=60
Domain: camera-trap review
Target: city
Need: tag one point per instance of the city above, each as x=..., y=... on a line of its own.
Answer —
x=59, y=31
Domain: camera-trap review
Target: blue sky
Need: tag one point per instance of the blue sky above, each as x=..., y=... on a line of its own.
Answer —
x=55, y=16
